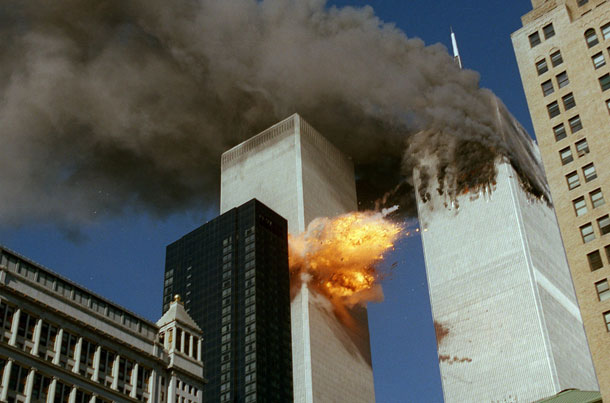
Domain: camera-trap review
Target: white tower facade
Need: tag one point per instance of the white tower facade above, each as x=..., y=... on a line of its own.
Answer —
x=508, y=324
x=296, y=172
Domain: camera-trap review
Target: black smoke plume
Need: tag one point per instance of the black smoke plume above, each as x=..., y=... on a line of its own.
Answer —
x=111, y=104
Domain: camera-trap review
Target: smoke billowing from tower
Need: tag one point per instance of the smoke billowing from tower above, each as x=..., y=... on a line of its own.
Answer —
x=130, y=104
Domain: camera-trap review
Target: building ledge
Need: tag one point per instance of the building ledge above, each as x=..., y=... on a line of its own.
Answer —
x=538, y=12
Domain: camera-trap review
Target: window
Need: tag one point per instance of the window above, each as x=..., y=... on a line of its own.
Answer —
x=541, y=67
x=560, y=132
x=607, y=319
x=547, y=88
x=575, y=124
x=604, y=82
x=535, y=39
x=562, y=79
x=595, y=260
x=606, y=31
x=553, y=109
x=597, y=198
x=598, y=60
x=607, y=248
x=586, y=231
x=582, y=2
x=548, y=31
x=566, y=156
x=18, y=379
x=573, y=181
x=608, y=104
x=590, y=37
x=603, y=290
x=568, y=101
x=582, y=147
x=589, y=172
x=580, y=206
x=556, y=58
x=604, y=224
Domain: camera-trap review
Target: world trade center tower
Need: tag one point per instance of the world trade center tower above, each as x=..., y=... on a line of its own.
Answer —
x=295, y=171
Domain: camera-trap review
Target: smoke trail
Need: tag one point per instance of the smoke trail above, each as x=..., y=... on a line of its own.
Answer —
x=112, y=105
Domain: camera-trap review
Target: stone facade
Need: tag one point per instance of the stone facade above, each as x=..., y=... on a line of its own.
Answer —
x=578, y=154
x=296, y=172
x=61, y=342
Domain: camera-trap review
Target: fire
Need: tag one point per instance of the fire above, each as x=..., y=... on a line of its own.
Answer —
x=339, y=255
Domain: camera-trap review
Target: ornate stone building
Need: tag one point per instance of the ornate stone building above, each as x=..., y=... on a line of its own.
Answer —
x=60, y=342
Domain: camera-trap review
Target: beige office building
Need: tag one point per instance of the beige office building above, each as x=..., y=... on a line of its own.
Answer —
x=563, y=52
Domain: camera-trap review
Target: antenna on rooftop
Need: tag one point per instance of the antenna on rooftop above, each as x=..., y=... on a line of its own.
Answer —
x=456, y=53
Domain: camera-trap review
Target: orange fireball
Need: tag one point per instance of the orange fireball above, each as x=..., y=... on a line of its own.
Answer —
x=340, y=254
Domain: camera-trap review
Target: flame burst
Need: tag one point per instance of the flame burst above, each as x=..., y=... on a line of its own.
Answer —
x=338, y=256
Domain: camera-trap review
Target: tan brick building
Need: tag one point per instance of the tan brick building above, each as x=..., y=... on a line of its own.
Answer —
x=563, y=52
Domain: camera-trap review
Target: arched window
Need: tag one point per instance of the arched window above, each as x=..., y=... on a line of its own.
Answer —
x=556, y=58
x=591, y=37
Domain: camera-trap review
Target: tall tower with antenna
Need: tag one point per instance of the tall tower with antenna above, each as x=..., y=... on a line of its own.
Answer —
x=456, y=52
x=507, y=321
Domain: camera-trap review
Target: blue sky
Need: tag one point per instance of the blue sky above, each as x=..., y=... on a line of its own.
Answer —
x=122, y=258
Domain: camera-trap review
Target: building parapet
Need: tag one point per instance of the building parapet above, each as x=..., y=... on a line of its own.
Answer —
x=67, y=290
x=275, y=131
x=539, y=11
x=60, y=342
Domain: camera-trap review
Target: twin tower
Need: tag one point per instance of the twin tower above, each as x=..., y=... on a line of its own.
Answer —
x=296, y=172
x=508, y=324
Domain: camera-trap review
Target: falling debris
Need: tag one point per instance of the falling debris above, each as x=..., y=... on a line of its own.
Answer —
x=453, y=360
x=441, y=332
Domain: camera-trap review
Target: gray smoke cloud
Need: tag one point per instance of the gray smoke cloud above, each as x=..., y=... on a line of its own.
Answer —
x=113, y=105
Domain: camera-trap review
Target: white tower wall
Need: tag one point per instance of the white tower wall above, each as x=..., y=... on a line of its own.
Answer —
x=501, y=288
x=296, y=172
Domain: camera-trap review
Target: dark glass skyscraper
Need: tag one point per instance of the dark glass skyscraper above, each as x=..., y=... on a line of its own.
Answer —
x=232, y=274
